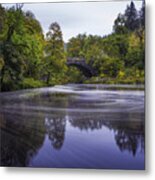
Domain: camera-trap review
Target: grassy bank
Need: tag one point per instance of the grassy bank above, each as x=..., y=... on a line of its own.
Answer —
x=97, y=80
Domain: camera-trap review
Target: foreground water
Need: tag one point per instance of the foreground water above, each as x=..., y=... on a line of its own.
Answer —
x=77, y=126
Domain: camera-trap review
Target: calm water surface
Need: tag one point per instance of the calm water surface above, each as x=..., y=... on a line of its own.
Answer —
x=78, y=126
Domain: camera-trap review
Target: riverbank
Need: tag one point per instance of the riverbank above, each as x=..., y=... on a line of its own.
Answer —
x=130, y=80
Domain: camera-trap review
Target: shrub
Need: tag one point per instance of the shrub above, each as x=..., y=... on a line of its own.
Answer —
x=31, y=83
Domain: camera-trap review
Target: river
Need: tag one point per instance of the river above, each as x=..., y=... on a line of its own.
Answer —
x=74, y=126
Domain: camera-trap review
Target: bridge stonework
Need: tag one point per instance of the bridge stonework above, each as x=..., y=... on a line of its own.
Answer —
x=81, y=64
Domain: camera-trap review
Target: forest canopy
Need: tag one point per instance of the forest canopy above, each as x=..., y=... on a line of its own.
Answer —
x=30, y=59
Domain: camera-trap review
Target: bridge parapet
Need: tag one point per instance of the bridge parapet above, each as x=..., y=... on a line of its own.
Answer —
x=75, y=59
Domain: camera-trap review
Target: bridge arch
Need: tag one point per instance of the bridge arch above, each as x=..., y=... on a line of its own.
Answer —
x=81, y=64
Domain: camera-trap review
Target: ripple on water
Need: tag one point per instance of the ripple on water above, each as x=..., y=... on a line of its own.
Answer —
x=89, y=126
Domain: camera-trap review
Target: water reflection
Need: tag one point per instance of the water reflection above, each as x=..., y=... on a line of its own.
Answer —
x=55, y=128
x=128, y=135
x=63, y=118
x=21, y=137
x=128, y=132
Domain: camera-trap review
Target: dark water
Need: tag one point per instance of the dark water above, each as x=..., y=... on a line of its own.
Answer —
x=78, y=126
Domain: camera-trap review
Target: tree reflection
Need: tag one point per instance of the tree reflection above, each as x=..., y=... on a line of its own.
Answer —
x=23, y=127
x=55, y=127
x=128, y=128
x=127, y=141
x=23, y=130
x=21, y=137
x=129, y=136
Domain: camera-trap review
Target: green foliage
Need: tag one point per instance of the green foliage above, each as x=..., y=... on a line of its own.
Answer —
x=103, y=54
x=31, y=83
x=55, y=56
x=21, y=50
x=119, y=25
x=2, y=22
x=111, y=66
x=28, y=60
x=116, y=45
x=142, y=15
x=131, y=20
x=131, y=17
x=136, y=52
x=113, y=55
x=12, y=71
x=74, y=75
x=75, y=46
x=1, y=63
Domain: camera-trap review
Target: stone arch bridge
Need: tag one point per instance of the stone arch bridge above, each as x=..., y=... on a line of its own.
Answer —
x=82, y=65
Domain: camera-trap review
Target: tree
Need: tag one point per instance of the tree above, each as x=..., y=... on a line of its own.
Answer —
x=131, y=17
x=136, y=52
x=35, y=41
x=142, y=15
x=2, y=20
x=55, y=55
x=28, y=60
x=119, y=25
x=116, y=45
x=129, y=21
x=11, y=72
x=2, y=35
x=75, y=46
x=21, y=48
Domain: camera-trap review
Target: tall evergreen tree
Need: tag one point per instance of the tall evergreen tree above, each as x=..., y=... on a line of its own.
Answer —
x=131, y=17
x=142, y=15
x=119, y=24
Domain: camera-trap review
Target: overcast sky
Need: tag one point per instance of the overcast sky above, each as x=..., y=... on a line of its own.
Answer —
x=95, y=18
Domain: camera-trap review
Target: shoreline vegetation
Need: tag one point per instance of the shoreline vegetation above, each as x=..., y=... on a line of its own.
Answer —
x=28, y=59
x=130, y=80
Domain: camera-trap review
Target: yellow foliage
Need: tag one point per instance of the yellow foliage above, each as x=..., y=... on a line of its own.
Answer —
x=121, y=74
x=134, y=41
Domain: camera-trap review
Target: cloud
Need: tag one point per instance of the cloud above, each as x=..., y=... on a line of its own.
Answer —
x=74, y=18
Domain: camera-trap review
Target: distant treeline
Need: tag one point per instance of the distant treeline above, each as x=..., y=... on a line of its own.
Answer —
x=28, y=59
